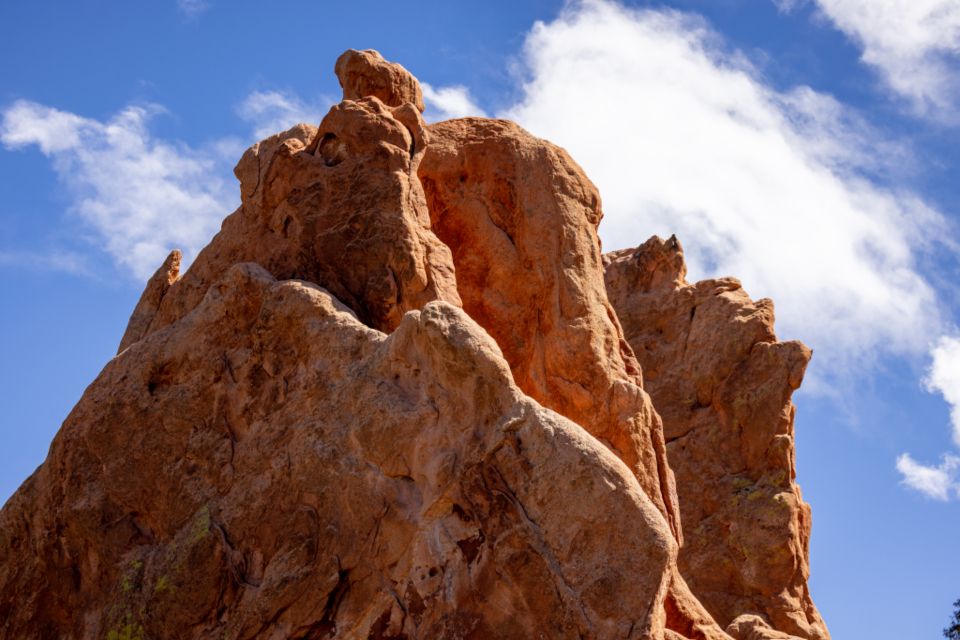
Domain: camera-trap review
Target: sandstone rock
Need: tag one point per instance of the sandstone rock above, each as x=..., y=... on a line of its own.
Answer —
x=339, y=206
x=150, y=299
x=305, y=436
x=722, y=384
x=750, y=627
x=270, y=467
x=521, y=218
x=366, y=73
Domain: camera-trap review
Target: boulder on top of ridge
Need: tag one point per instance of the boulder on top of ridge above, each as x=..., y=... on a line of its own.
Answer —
x=366, y=73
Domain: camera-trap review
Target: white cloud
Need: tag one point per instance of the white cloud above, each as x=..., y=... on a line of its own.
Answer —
x=944, y=377
x=26, y=123
x=270, y=112
x=56, y=260
x=191, y=8
x=787, y=6
x=837, y=137
x=915, y=45
x=140, y=196
x=444, y=103
x=683, y=136
x=940, y=482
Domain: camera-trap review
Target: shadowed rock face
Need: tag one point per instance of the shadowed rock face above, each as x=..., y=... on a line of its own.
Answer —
x=722, y=384
x=391, y=399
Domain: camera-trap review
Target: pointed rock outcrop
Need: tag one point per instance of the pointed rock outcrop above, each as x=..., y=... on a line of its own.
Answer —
x=150, y=299
x=722, y=383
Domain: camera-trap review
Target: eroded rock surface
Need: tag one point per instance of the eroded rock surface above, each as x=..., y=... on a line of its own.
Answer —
x=722, y=384
x=149, y=303
x=340, y=206
x=391, y=399
x=366, y=73
x=270, y=467
x=521, y=219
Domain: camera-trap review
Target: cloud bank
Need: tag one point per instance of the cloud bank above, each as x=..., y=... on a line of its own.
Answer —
x=944, y=378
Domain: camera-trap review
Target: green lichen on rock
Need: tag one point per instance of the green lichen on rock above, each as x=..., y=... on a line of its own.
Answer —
x=200, y=525
x=132, y=578
x=163, y=585
x=128, y=631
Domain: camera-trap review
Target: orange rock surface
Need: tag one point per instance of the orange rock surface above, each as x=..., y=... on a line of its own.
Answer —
x=391, y=399
x=722, y=384
x=521, y=219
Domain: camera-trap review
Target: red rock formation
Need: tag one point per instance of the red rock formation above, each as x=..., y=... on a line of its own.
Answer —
x=521, y=219
x=340, y=206
x=722, y=384
x=270, y=467
x=366, y=73
x=305, y=436
x=150, y=299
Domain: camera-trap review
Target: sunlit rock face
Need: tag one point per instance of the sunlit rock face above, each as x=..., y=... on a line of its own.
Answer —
x=722, y=384
x=401, y=394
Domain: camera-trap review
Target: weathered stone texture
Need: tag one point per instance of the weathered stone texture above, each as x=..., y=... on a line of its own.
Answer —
x=722, y=384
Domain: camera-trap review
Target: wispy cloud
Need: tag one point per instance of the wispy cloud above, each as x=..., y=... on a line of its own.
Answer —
x=192, y=8
x=940, y=482
x=913, y=44
x=444, y=103
x=270, y=112
x=944, y=377
x=56, y=260
x=139, y=195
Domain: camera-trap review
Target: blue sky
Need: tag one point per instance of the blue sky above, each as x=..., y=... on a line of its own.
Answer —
x=808, y=147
